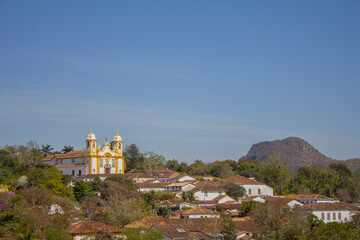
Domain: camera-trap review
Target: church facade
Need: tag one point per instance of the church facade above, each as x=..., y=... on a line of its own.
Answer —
x=93, y=160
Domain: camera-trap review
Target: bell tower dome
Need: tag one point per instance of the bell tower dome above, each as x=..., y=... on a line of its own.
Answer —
x=116, y=143
x=91, y=141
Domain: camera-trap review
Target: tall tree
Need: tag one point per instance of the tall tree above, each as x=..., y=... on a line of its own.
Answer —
x=67, y=149
x=46, y=149
x=133, y=157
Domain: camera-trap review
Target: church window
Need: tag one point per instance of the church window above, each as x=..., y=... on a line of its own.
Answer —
x=101, y=162
x=88, y=144
x=113, y=162
x=93, y=144
x=73, y=172
x=119, y=145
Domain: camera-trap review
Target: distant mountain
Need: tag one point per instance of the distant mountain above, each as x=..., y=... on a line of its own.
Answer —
x=295, y=151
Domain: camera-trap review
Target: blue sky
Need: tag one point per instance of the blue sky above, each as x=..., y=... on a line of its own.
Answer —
x=186, y=79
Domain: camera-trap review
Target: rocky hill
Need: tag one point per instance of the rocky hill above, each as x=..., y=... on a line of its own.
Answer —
x=295, y=151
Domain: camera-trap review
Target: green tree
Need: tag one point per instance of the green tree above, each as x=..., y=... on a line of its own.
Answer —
x=276, y=174
x=162, y=212
x=172, y=164
x=234, y=191
x=82, y=189
x=134, y=158
x=228, y=228
x=57, y=234
x=67, y=149
x=46, y=149
x=221, y=170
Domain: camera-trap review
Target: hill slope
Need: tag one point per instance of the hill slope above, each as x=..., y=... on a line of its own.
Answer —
x=295, y=151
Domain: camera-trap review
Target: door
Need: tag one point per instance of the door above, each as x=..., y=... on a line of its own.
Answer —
x=107, y=170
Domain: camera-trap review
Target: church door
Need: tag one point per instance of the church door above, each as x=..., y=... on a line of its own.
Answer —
x=107, y=170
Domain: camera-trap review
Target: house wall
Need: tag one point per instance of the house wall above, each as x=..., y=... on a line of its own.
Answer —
x=323, y=215
x=150, y=188
x=69, y=170
x=253, y=190
x=204, y=216
x=226, y=199
x=207, y=195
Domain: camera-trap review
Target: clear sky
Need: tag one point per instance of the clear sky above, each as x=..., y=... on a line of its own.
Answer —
x=186, y=79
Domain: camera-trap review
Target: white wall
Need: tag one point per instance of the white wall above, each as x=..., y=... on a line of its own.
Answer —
x=253, y=190
x=150, y=188
x=207, y=195
x=204, y=215
x=345, y=215
x=68, y=171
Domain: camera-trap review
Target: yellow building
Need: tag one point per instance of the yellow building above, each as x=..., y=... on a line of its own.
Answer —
x=93, y=160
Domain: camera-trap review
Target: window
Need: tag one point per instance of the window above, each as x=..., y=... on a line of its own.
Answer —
x=73, y=172
x=259, y=191
x=339, y=215
x=79, y=172
x=220, y=193
x=322, y=216
x=205, y=193
x=60, y=161
x=249, y=191
x=73, y=160
x=328, y=216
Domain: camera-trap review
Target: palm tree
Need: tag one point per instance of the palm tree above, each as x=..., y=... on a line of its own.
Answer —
x=46, y=149
x=67, y=149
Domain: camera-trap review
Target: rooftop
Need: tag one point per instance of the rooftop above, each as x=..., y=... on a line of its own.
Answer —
x=91, y=227
x=237, y=179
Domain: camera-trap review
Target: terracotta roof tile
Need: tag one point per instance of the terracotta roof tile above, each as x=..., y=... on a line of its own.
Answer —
x=306, y=196
x=91, y=227
x=147, y=222
x=48, y=158
x=237, y=179
x=329, y=206
x=72, y=154
x=198, y=210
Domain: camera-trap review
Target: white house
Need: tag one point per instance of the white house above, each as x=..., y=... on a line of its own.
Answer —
x=150, y=185
x=179, y=186
x=199, y=212
x=207, y=191
x=331, y=212
x=252, y=187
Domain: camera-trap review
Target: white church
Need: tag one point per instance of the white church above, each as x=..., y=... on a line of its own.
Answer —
x=93, y=160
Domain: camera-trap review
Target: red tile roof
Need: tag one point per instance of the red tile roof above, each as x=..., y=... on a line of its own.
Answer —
x=48, y=158
x=237, y=179
x=198, y=210
x=147, y=222
x=306, y=196
x=91, y=227
x=330, y=206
